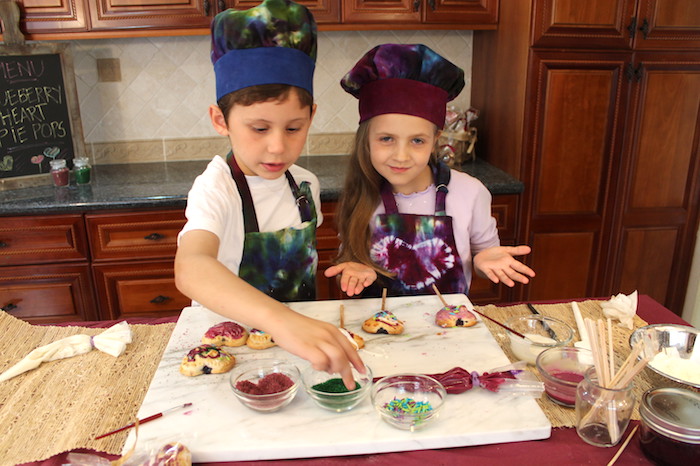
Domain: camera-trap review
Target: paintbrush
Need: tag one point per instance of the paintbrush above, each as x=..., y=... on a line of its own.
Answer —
x=144, y=420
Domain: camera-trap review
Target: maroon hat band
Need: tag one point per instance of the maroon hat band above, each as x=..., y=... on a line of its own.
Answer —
x=405, y=96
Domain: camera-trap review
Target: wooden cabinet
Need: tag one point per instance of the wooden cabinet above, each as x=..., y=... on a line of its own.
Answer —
x=602, y=124
x=44, y=269
x=412, y=13
x=63, y=19
x=132, y=261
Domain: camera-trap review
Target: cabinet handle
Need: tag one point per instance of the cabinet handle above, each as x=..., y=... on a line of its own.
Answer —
x=9, y=307
x=222, y=5
x=432, y=4
x=416, y=5
x=645, y=28
x=207, y=7
x=632, y=28
x=4, y=244
x=160, y=299
x=154, y=237
x=633, y=73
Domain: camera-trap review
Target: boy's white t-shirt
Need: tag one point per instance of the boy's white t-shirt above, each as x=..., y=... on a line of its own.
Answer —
x=214, y=204
x=468, y=202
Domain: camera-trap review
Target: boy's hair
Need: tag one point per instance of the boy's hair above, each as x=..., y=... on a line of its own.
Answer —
x=263, y=93
x=360, y=197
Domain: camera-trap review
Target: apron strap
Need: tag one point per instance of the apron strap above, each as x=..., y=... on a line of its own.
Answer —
x=441, y=172
x=302, y=202
x=250, y=219
x=441, y=175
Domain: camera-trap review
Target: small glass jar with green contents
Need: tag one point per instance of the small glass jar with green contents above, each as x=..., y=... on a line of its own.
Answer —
x=81, y=168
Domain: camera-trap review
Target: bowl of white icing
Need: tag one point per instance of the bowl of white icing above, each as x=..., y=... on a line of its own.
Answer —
x=673, y=349
x=540, y=332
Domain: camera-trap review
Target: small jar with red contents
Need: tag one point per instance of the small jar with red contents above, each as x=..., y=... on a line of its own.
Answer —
x=59, y=172
x=670, y=426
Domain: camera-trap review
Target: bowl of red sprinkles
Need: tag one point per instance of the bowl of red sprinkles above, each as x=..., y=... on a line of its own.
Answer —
x=265, y=385
x=408, y=401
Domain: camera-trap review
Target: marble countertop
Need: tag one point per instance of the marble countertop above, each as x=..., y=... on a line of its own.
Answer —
x=165, y=185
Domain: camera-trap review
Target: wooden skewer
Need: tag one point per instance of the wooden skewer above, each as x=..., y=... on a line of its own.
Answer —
x=383, y=300
x=444, y=303
x=611, y=352
x=631, y=358
x=603, y=351
x=342, y=316
x=623, y=446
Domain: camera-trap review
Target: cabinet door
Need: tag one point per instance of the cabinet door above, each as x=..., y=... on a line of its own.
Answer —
x=597, y=23
x=571, y=153
x=387, y=11
x=138, y=289
x=461, y=11
x=665, y=24
x=139, y=14
x=138, y=235
x=41, y=16
x=42, y=239
x=324, y=11
x=48, y=293
x=660, y=192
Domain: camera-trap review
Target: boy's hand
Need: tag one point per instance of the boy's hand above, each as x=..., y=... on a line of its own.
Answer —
x=498, y=265
x=320, y=343
x=354, y=277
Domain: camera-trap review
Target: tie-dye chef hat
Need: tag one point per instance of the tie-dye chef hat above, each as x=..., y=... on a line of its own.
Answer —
x=410, y=79
x=272, y=43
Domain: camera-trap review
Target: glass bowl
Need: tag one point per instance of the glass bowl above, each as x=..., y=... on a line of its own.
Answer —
x=272, y=379
x=408, y=401
x=537, y=329
x=562, y=368
x=329, y=392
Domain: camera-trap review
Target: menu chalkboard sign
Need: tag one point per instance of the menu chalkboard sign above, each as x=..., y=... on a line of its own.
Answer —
x=39, y=112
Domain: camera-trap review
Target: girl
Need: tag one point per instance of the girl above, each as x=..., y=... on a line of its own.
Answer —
x=407, y=223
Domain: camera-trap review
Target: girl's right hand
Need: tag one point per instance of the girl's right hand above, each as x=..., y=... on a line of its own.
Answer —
x=354, y=277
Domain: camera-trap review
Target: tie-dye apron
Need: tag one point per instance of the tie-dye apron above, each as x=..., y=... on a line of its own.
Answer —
x=281, y=264
x=419, y=249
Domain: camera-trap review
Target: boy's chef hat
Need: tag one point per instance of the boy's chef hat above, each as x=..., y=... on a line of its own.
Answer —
x=404, y=78
x=272, y=43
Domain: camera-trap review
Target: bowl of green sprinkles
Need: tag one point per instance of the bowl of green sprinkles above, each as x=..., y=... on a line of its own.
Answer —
x=408, y=401
x=329, y=392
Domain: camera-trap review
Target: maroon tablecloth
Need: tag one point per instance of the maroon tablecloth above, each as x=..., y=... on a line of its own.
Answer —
x=564, y=447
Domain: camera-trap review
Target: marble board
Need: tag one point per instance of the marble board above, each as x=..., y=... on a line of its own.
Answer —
x=218, y=428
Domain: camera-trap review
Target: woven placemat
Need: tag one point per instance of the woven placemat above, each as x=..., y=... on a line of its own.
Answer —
x=62, y=405
x=558, y=415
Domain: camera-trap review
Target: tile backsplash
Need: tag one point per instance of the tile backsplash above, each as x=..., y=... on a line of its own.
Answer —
x=156, y=109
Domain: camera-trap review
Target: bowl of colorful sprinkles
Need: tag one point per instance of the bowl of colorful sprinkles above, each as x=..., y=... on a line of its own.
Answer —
x=408, y=401
x=329, y=392
x=265, y=385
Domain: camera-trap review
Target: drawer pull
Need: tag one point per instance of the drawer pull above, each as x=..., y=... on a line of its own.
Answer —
x=4, y=244
x=160, y=299
x=154, y=237
x=9, y=307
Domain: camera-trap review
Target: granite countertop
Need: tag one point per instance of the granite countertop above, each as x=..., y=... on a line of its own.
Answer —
x=165, y=185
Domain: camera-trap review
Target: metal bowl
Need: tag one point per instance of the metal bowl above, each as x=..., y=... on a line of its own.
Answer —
x=659, y=337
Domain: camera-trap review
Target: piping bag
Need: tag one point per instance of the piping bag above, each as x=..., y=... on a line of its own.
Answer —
x=112, y=341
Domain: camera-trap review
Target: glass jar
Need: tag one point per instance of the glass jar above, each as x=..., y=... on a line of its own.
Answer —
x=670, y=426
x=602, y=414
x=59, y=172
x=81, y=168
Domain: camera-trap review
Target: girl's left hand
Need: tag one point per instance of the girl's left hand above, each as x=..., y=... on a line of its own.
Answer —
x=354, y=277
x=498, y=264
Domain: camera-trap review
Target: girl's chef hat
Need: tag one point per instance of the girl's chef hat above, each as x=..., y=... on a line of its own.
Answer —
x=410, y=79
x=272, y=43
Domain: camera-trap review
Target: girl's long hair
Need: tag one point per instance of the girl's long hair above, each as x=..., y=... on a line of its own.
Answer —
x=359, y=200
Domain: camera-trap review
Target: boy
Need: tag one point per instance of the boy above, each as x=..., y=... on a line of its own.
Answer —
x=250, y=238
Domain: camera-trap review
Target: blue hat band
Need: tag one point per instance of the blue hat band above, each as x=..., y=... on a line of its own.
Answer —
x=240, y=68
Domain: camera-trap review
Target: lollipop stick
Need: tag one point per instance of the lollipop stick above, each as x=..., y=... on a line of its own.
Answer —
x=342, y=316
x=444, y=303
x=383, y=300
